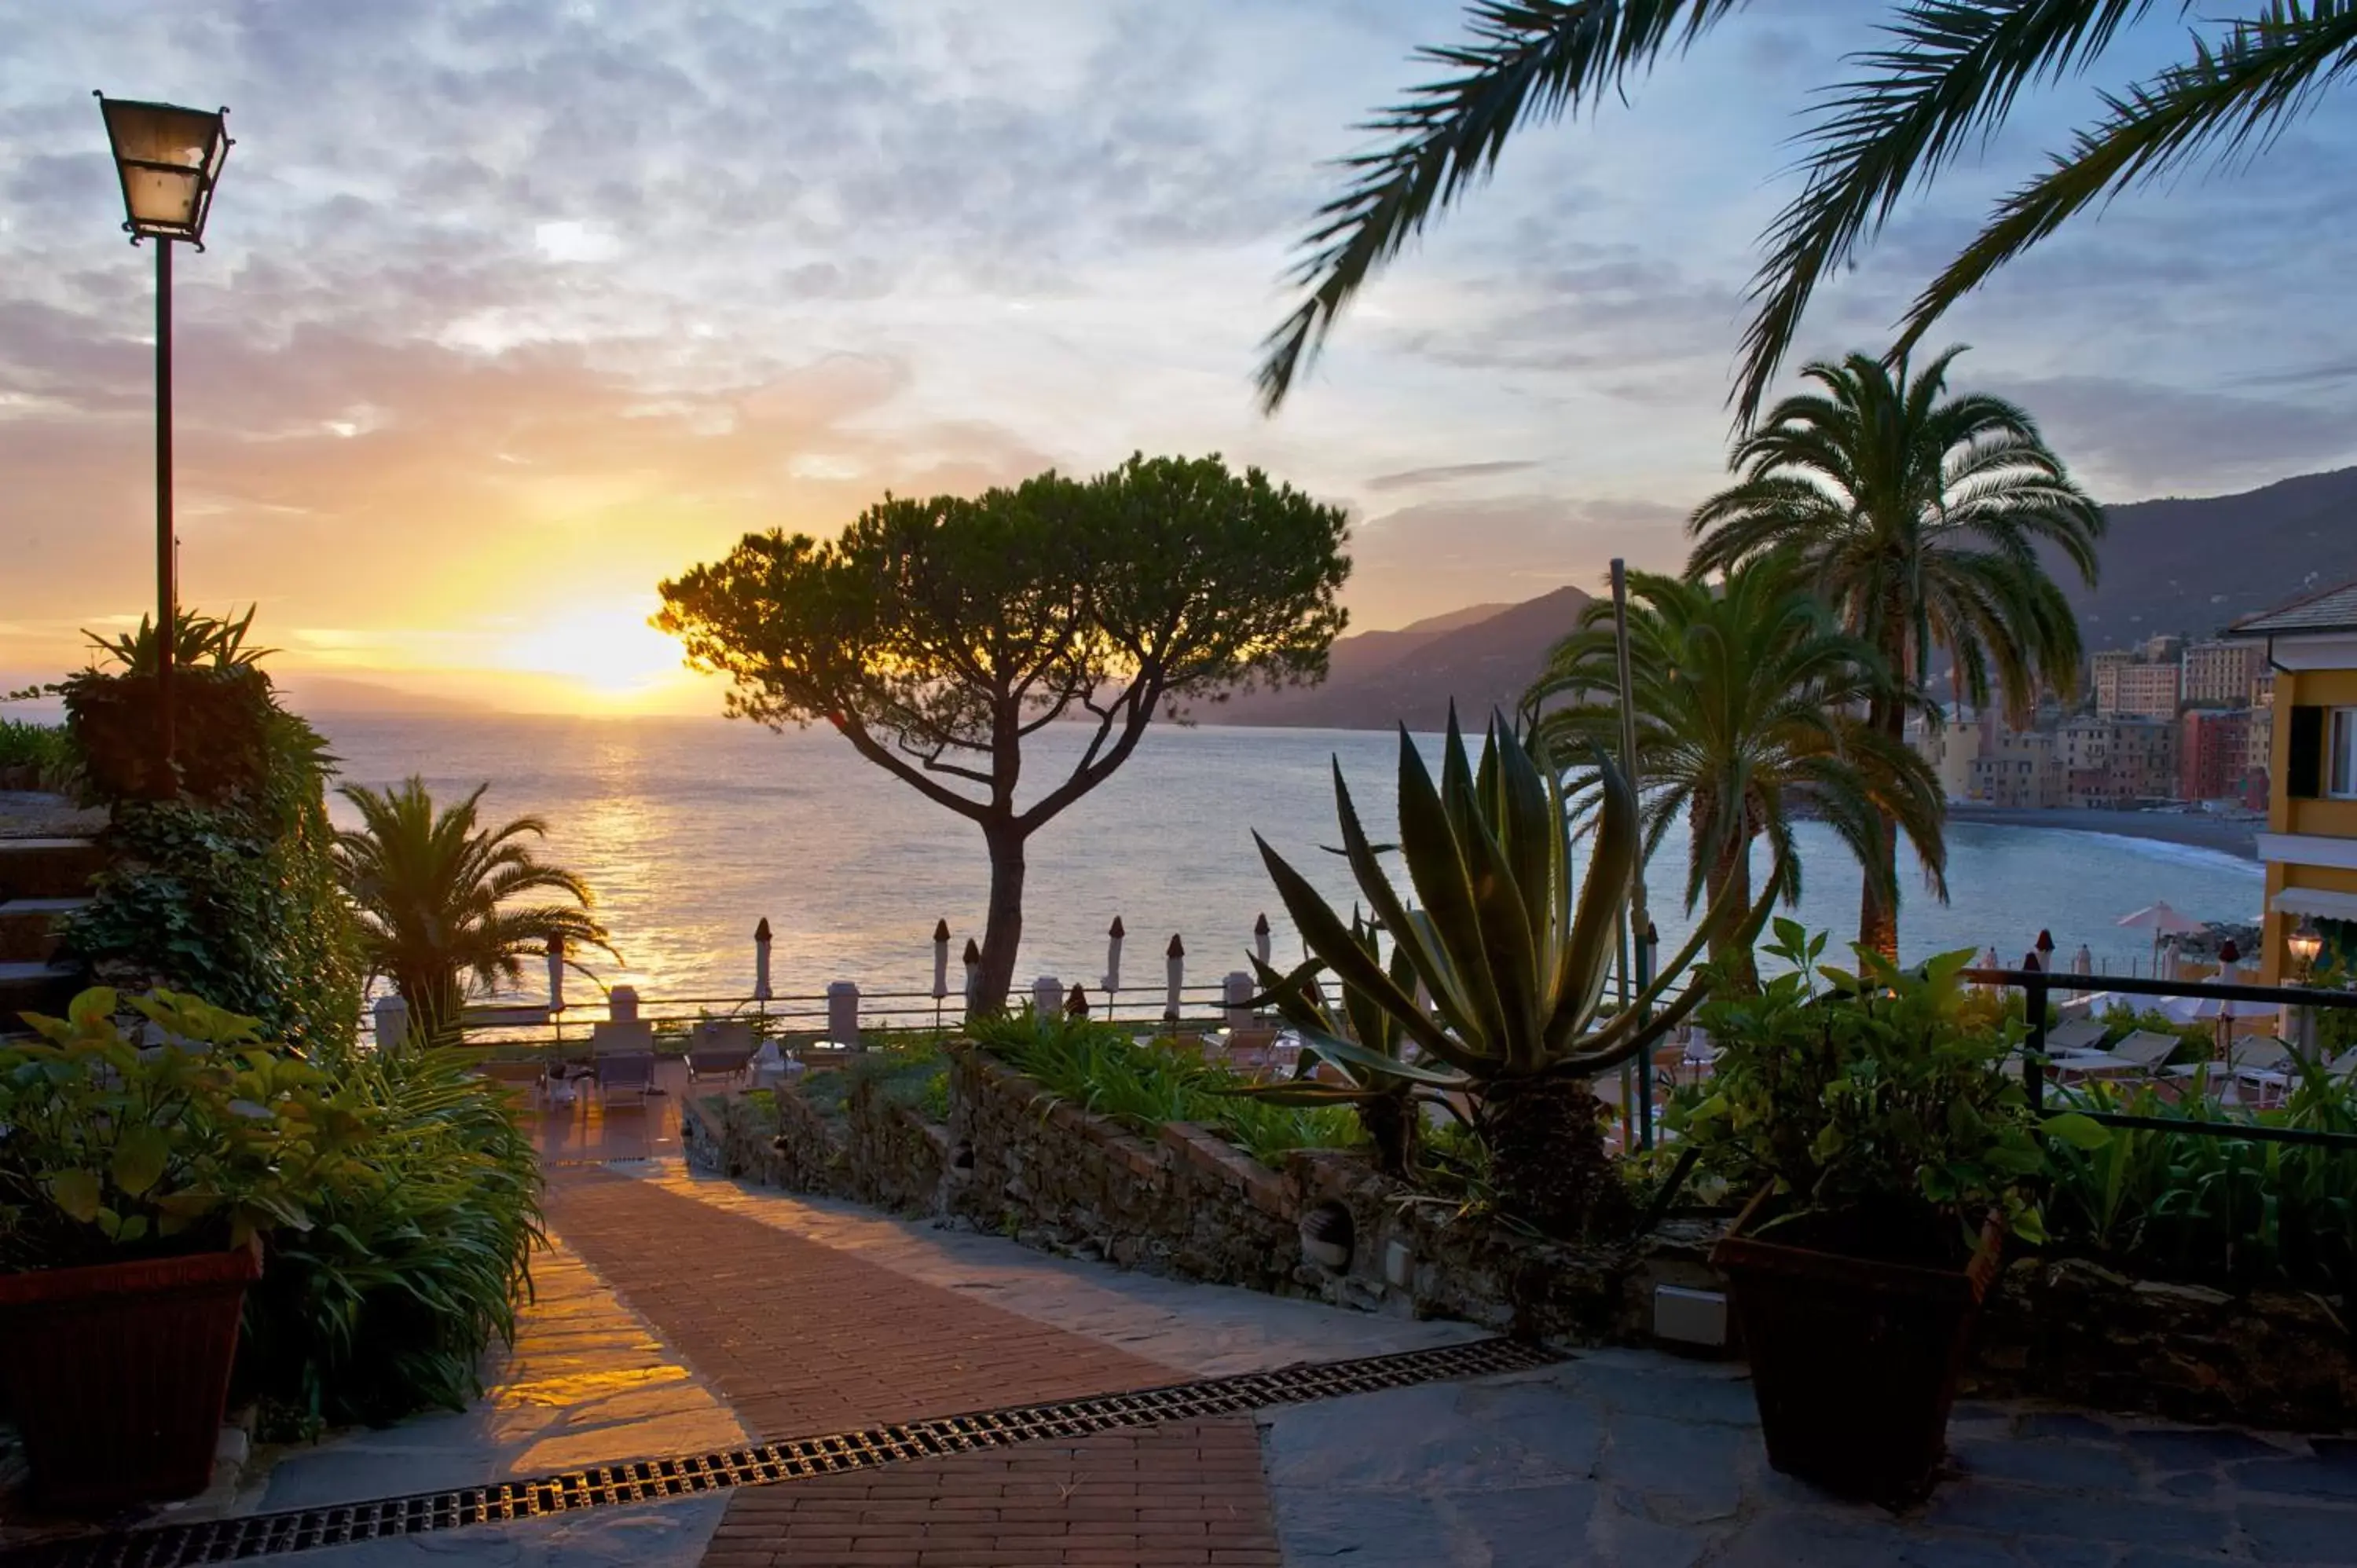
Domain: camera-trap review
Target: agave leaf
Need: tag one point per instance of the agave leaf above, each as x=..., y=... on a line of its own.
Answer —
x=1611, y=865
x=1350, y=1055
x=1458, y=788
x=1428, y=961
x=1531, y=831
x=1297, y=1093
x=1505, y=931
x=1326, y=934
x=1436, y=864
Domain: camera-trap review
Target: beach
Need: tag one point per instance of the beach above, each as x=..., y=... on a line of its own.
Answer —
x=2196, y=830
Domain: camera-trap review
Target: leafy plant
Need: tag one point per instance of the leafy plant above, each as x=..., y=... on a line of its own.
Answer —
x=197, y=639
x=2219, y=1210
x=45, y=750
x=1882, y=1125
x=435, y=890
x=1100, y=1068
x=1361, y=1045
x=111, y=1150
x=1514, y=957
x=418, y=1253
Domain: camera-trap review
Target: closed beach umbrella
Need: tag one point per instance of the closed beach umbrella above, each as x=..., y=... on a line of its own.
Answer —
x=1261, y=938
x=556, y=974
x=1113, y=935
x=972, y=967
x=2083, y=961
x=762, y=960
x=1175, y=973
x=941, y=959
x=2161, y=921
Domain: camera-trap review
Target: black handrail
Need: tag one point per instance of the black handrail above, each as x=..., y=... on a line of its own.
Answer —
x=2036, y=984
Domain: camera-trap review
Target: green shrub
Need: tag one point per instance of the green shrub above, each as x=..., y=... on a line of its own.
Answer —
x=109, y=1152
x=2209, y=1209
x=1102, y=1068
x=1881, y=1122
x=418, y=1255
x=46, y=751
x=229, y=892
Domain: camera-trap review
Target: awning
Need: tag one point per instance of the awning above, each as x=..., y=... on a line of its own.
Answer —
x=2315, y=901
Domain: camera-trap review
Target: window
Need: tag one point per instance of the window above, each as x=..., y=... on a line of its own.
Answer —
x=2340, y=772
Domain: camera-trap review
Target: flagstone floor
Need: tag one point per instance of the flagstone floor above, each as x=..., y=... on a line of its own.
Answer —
x=683, y=1314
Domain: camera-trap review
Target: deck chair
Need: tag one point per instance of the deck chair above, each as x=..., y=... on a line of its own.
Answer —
x=2076, y=1034
x=2143, y=1053
x=719, y=1048
x=624, y=1072
x=530, y=1075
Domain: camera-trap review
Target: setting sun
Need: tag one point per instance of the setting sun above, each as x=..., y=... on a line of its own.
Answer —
x=607, y=649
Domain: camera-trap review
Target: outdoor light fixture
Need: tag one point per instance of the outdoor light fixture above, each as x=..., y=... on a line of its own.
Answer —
x=2305, y=944
x=169, y=160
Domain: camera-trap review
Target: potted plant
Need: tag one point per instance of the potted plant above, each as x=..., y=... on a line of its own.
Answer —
x=136, y=1183
x=1889, y=1153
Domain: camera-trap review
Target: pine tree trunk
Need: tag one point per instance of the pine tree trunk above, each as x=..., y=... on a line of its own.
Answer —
x=1002, y=934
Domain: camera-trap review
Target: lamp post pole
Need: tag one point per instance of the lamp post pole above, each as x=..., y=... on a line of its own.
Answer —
x=166, y=553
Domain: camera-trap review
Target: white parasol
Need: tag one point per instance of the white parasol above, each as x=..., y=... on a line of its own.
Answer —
x=2161, y=920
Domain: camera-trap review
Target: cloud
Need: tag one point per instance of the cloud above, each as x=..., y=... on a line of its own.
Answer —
x=1434, y=556
x=2127, y=440
x=1446, y=473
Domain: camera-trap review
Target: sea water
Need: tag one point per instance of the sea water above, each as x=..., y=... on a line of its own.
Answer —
x=691, y=831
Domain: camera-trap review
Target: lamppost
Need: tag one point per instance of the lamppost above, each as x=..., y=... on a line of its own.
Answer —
x=169, y=159
x=2306, y=945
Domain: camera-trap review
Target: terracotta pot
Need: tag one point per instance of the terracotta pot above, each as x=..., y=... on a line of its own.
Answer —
x=1854, y=1362
x=118, y=1373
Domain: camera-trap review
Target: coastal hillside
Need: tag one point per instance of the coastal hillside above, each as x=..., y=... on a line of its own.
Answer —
x=1482, y=658
x=2191, y=567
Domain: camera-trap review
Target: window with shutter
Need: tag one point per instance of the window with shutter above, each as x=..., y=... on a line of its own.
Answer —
x=2304, y=769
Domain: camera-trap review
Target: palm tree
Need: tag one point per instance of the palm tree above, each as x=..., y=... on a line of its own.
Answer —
x=1746, y=699
x=1920, y=517
x=1947, y=79
x=434, y=889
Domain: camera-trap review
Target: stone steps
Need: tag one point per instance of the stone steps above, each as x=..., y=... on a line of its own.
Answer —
x=28, y=928
x=42, y=880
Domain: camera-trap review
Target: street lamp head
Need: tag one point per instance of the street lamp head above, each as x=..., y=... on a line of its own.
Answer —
x=169, y=159
x=2306, y=942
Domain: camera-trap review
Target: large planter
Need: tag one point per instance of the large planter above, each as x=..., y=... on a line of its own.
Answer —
x=1853, y=1361
x=118, y=1373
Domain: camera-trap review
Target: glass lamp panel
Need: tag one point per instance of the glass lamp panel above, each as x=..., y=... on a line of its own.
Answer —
x=168, y=158
x=160, y=199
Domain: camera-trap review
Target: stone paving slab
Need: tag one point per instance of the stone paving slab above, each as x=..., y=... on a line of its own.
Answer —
x=665, y=1535
x=1628, y=1458
x=1205, y=1330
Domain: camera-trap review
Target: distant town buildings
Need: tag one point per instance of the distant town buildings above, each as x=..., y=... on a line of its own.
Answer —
x=2169, y=721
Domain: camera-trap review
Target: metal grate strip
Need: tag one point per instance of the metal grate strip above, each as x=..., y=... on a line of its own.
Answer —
x=770, y=1464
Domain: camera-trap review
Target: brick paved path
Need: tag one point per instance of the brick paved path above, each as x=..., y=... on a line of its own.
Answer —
x=802, y=1338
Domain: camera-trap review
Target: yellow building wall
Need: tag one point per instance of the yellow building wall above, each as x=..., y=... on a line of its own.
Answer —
x=2330, y=818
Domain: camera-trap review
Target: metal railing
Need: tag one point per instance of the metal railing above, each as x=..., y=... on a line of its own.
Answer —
x=2038, y=989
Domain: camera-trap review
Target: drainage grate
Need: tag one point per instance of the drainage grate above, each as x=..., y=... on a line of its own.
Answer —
x=657, y=1480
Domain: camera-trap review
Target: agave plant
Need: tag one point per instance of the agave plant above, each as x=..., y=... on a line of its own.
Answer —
x=1514, y=957
x=1364, y=1045
x=197, y=639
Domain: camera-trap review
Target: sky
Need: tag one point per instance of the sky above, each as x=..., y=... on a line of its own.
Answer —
x=512, y=309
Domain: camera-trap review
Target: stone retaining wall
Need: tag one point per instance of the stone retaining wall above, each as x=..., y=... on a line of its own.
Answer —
x=882, y=1153
x=1046, y=1171
x=893, y=1158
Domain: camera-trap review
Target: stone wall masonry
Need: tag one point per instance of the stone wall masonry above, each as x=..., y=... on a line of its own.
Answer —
x=1049, y=1173
x=893, y=1158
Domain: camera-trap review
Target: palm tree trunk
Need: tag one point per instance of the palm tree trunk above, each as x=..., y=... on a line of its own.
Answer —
x=1877, y=918
x=1727, y=947
x=437, y=1002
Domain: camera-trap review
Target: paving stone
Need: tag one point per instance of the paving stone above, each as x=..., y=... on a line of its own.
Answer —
x=1529, y=1527
x=1365, y=1530
x=1663, y=1386
x=2299, y=1477
x=663, y=1535
x=1861, y=1539
x=2051, y=1423
x=2191, y=1484
x=2075, y=1466
x=2283, y=1534
x=1617, y=1536
x=2195, y=1449
x=2050, y=1553
x=1435, y=1438
x=1998, y=1509
x=2148, y=1557
x=1673, y=1472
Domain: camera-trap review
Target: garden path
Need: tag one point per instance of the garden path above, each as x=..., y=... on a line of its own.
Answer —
x=791, y=1316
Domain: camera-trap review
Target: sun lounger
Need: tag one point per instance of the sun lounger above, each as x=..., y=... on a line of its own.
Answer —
x=624, y=1072
x=2075, y=1035
x=720, y=1048
x=531, y=1075
x=2141, y=1054
x=630, y=1038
